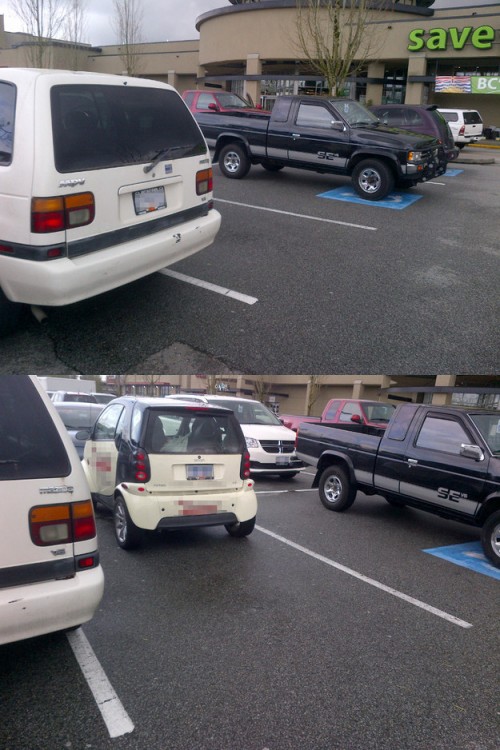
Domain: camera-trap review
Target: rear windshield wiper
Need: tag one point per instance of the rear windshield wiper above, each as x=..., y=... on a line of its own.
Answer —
x=165, y=153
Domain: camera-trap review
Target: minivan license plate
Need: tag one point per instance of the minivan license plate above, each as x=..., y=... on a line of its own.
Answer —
x=200, y=471
x=151, y=199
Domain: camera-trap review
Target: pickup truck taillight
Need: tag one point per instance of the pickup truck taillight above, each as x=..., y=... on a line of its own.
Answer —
x=62, y=523
x=204, y=182
x=61, y=212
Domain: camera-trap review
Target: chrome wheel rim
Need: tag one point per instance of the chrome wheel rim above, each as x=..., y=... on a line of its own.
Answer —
x=333, y=489
x=495, y=539
x=120, y=522
x=370, y=181
x=231, y=162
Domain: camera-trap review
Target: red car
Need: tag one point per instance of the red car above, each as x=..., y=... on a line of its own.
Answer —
x=218, y=101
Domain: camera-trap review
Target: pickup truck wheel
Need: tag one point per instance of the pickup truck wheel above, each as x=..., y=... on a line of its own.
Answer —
x=372, y=179
x=128, y=535
x=490, y=538
x=234, y=162
x=335, y=490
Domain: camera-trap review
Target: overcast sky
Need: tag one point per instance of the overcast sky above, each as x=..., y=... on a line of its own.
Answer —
x=163, y=19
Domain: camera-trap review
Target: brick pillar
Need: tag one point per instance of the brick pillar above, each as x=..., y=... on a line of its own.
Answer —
x=374, y=90
x=417, y=66
x=254, y=68
x=443, y=399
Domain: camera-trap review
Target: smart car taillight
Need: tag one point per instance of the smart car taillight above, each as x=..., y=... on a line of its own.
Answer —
x=59, y=524
x=245, y=465
x=141, y=467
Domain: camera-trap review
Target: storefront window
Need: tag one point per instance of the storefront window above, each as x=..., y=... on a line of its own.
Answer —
x=394, y=89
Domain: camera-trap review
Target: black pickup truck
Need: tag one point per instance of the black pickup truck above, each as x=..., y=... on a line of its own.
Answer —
x=445, y=460
x=338, y=136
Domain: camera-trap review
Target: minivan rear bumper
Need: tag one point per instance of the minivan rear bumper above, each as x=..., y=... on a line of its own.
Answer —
x=65, y=281
x=39, y=608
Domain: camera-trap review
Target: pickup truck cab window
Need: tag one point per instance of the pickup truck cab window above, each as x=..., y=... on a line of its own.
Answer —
x=330, y=414
x=313, y=116
x=445, y=435
x=204, y=100
x=349, y=409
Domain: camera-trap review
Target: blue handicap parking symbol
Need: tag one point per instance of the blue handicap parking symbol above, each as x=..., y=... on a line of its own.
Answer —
x=469, y=555
x=452, y=172
x=393, y=200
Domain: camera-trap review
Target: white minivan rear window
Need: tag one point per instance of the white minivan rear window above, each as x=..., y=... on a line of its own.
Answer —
x=7, y=111
x=98, y=126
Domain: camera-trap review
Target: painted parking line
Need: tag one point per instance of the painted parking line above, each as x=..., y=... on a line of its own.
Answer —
x=453, y=172
x=211, y=287
x=393, y=200
x=469, y=555
x=371, y=581
x=115, y=717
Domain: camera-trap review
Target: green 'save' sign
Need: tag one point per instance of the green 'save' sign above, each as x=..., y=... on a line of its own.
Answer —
x=440, y=39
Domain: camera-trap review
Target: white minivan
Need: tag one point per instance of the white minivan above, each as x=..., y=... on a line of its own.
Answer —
x=50, y=575
x=270, y=444
x=104, y=179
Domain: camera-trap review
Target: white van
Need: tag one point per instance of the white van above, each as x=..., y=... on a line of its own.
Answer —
x=271, y=445
x=103, y=180
x=50, y=576
x=466, y=125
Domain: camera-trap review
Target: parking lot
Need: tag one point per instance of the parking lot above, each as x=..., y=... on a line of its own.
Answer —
x=319, y=631
x=303, y=283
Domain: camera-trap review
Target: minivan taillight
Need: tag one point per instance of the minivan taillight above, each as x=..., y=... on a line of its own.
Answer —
x=245, y=465
x=141, y=470
x=204, y=182
x=63, y=523
x=62, y=212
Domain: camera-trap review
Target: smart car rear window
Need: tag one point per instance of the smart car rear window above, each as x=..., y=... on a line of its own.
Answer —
x=97, y=126
x=30, y=445
x=192, y=432
x=7, y=112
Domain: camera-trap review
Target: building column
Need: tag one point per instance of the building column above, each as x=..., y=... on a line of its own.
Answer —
x=374, y=90
x=358, y=389
x=444, y=399
x=254, y=68
x=417, y=66
x=172, y=78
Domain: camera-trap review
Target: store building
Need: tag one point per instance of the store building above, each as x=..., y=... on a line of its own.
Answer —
x=449, y=57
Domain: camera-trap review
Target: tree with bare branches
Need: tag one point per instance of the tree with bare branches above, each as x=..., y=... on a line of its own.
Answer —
x=44, y=20
x=333, y=37
x=128, y=22
x=314, y=387
x=74, y=30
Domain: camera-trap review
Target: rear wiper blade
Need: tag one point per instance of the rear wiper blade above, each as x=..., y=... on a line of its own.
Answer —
x=164, y=153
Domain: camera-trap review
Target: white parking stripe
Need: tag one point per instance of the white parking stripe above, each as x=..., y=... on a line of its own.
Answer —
x=299, y=216
x=115, y=717
x=416, y=602
x=211, y=287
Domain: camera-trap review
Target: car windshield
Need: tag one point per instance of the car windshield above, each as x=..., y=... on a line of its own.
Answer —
x=82, y=418
x=489, y=427
x=378, y=412
x=248, y=412
x=354, y=113
x=232, y=101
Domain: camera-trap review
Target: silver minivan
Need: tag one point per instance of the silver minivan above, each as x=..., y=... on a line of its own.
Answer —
x=104, y=179
x=50, y=575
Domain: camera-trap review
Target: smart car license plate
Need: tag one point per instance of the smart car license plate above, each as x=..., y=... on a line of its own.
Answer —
x=199, y=471
x=151, y=199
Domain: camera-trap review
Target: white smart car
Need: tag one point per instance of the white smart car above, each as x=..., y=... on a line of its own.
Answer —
x=271, y=445
x=50, y=576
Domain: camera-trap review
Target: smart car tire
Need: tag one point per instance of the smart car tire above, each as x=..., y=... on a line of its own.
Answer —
x=244, y=528
x=128, y=535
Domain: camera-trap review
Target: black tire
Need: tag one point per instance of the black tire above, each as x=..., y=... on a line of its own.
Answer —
x=234, y=162
x=372, y=179
x=272, y=167
x=490, y=538
x=335, y=490
x=10, y=314
x=243, y=528
x=460, y=145
x=128, y=535
x=288, y=476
